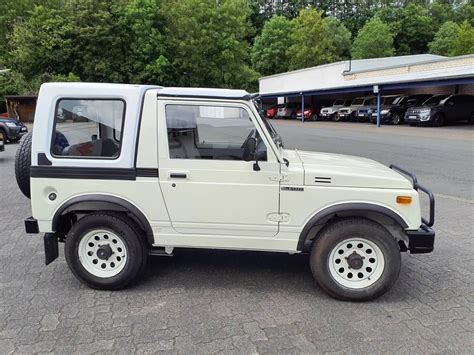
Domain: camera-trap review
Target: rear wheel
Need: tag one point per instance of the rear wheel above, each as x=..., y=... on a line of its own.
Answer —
x=355, y=260
x=336, y=117
x=293, y=116
x=314, y=117
x=105, y=251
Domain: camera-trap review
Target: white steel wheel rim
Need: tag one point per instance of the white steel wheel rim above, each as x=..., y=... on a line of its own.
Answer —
x=346, y=257
x=102, y=253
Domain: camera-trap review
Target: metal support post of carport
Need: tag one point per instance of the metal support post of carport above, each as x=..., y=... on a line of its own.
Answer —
x=377, y=91
x=302, y=108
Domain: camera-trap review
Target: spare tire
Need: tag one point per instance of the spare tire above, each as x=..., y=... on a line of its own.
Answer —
x=23, y=164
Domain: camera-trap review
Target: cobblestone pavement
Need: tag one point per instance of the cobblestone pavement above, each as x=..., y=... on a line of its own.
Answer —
x=245, y=302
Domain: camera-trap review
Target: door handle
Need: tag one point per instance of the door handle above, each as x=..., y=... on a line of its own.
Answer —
x=178, y=175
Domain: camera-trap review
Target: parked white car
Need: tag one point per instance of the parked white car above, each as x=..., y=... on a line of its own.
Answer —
x=151, y=169
x=330, y=112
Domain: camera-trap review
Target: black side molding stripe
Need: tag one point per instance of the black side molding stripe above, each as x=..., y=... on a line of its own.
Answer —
x=66, y=172
x=146, y=172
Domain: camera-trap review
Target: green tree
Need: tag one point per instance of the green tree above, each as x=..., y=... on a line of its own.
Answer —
x=42, y=44
x=374, y=40
x=311, y=40
x=453, y=39
x=145, y=57
x=464, y=42
x=413, y=27
x=465, y=12
x=443, y=42
x=269, y=52
x=339, y=36
x=207, y=44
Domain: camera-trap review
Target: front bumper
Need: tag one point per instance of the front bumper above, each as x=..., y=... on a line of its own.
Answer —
x=415, y=118
x=384, y=117
x=16, y=132
x=420, y=241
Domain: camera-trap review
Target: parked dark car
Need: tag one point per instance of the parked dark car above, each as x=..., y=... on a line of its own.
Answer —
x=288, y=110
x=12, y=129
x=349, y=111
x=394, y=107
x=442, y=109
x=310, y=113
x=364, y=112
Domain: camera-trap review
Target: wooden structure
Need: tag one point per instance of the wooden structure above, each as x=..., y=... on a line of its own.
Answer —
x=21, y=107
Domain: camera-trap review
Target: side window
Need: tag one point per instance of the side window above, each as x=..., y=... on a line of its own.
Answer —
x=88, y=128
x=210, y=132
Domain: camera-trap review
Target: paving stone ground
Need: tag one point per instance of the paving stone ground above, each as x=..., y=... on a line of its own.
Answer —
x=247, y=302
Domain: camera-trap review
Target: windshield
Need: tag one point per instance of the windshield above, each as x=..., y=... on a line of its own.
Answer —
x=338, y=103
x=398, y=100
x=390, y=100
x=435, y=100
x=359, y=101
x=275, y=136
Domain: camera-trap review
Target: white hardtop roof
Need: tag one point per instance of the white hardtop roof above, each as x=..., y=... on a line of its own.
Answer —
x=204, y=92
x=92, y=89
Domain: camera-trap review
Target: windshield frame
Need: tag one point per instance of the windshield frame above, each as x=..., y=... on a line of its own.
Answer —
x=276, y=138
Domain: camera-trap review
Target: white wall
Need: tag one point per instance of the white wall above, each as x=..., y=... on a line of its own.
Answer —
x=322, y=77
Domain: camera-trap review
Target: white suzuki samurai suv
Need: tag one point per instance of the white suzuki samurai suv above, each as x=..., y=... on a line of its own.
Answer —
x=147, y=169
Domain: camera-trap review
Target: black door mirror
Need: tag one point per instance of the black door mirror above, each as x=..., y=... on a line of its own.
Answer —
x=250, y=147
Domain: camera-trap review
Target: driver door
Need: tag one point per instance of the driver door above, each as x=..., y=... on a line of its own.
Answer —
x=207, y=185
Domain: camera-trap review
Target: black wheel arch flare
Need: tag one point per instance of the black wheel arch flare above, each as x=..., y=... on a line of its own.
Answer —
x=97, y=202
x=364, y=210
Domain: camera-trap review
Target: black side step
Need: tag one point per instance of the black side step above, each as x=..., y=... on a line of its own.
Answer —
x=160, y=252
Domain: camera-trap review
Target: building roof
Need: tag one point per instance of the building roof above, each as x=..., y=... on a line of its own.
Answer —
x=362, y=65
x=368, y=72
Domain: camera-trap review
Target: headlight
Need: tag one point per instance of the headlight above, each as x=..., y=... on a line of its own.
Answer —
x=10, y=124
x=370, y=110
x=425, y=111
x=384, y=112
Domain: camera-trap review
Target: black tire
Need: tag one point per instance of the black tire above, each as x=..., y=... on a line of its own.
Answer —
x=342, y=230
x=471, y=118
x=293, y=116
x=439, y=120
x=23, y=164
x=3, y=136
x=122, y=226
x=396, y=119
x=336, y=117
x=314, y=117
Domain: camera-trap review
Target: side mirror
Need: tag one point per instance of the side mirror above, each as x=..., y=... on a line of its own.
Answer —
x=250, y=147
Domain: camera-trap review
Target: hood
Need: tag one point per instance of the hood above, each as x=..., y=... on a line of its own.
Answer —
x=14, y=120
x=416, y=108
x=326, y=169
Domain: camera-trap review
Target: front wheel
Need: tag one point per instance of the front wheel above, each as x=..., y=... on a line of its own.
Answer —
x=105, y=251
x=396, y=119
x=355, y=260
x=314, y=117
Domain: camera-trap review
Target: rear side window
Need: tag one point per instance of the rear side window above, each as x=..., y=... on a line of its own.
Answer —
x=88, y=128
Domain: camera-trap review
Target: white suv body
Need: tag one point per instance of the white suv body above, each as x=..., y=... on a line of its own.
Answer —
x=174, y=161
